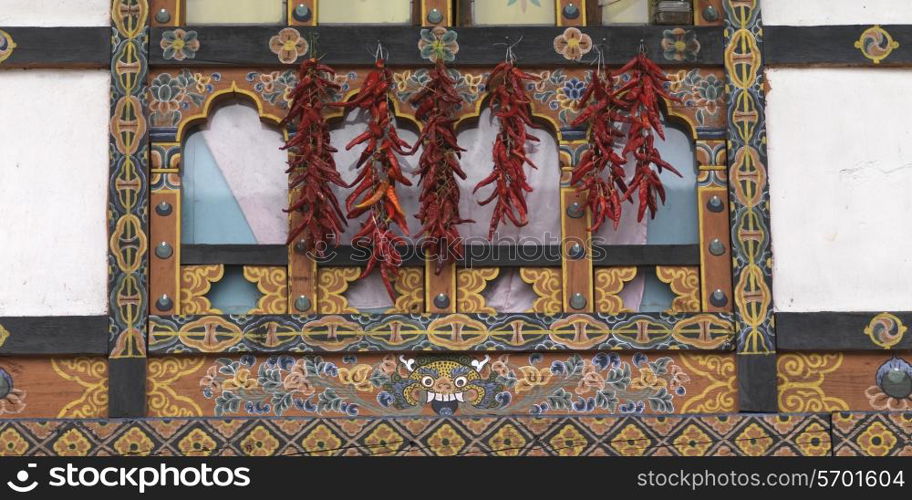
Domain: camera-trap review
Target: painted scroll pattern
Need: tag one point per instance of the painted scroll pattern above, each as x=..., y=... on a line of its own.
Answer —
x=196, y=281
x=749, y=186
x=129, y=186
x=335, y=332
x=546, y=283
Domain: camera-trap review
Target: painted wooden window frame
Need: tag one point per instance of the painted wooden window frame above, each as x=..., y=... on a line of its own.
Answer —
x=301, y=12
x=128, y=337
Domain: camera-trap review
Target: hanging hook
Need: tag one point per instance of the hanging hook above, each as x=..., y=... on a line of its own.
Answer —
x=314, y=37
x=642, y=48
x=510, y=56
x=379, y=54
x=598, y=60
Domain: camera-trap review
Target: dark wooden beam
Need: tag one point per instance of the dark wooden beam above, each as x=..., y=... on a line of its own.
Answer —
x=843, y=331
x=474, y=255
x=126, y=387
x=833, y=45
x=355, y=45
x=78, y=47
x=55, y=335
x=757, y=389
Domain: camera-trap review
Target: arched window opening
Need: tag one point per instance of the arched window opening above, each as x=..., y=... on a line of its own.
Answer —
x=508, y=292
x=369, y=294
x=234, y=185
x=675, y=223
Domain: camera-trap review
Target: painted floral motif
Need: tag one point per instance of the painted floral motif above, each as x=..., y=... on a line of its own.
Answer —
x=693, y=442
x=438, y=44
x=893, y=388
x=72, y=443
x=384, y=440
x=134, y=442
x=321, y=441
x=197, y=443
x=877, y=440
x=569, y=442
x=607, y=383
x=573, y=44
x=12, y=400
x=444, y=385
x=169, y=94
x=631, y=441
x=469, y=87
x=260, y=443
x=703, y=91
x=178, y=45
x=289, y=45
x=507, y=442
x=561, y=93
x=275, y=87
x=12, y=443
x=446, y=442
x=814, y=440
x=680, y=44
x=754, y=441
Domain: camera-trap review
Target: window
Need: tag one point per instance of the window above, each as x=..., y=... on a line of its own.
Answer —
x=529, y=12
x=625, y=11
x=233, y=186
x=235, y=11
x=364, y=12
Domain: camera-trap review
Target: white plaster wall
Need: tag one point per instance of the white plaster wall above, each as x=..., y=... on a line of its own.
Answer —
x=840, y=165
x=53, y=182
x=55, y=12
x=819, y=12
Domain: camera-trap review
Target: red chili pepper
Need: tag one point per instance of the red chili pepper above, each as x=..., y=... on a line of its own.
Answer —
x=311, y=164
x=600, y=172
x=641, y=98
x=375, y=193
x=635, y=103
x=435, y=106
x=511, y=105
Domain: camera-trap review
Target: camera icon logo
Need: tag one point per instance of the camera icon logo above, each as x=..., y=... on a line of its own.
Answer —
x=21, y=478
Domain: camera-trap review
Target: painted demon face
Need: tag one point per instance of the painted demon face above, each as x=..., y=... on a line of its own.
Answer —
x=445, y=383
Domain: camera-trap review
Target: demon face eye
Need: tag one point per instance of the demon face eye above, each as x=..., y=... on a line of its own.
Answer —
x=427, y=381
x=461, y=382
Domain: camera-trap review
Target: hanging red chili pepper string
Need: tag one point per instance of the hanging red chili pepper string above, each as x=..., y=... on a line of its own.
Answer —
x=311, y=160
x=375, y=193
x=641, y=95
x=512, y=107
x=435, y=106
x=603, y=195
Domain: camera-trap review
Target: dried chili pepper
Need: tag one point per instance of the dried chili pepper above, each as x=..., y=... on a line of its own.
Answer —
x=512, y=107
x=641, y=96
x=380, y=170
x=603, y=196
x=311, y=160
x=435, y=106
